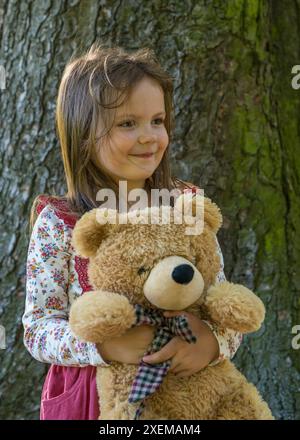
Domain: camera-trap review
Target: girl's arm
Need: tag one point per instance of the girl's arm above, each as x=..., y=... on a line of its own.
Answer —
x=47, y=335
x=229, y=340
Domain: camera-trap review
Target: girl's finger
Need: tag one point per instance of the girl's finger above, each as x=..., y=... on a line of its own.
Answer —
x=174, y=365
x=166, y=353
x=178, y=368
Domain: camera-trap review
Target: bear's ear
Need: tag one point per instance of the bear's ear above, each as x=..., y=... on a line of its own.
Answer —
x=212, y=215
x=90, y=230
x=201, y=208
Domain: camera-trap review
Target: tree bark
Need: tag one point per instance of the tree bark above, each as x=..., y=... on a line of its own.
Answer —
x=236, y=135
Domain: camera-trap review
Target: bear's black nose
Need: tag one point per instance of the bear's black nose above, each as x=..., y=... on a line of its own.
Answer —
x=183, y=274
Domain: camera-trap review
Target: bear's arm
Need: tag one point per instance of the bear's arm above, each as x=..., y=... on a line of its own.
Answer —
x=99, y=315
x=235, y=307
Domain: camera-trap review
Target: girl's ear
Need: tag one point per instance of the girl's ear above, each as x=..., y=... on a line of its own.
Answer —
x=200, y=207
x=89, y=231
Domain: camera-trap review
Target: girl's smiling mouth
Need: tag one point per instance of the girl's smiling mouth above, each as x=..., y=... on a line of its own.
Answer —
x=143, y=156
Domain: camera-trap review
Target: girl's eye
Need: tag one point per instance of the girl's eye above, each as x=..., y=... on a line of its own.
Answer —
x=123, y=124
x=161, y=120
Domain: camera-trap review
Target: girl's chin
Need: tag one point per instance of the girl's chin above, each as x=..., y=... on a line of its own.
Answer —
x=137, y=177
x=142, y=172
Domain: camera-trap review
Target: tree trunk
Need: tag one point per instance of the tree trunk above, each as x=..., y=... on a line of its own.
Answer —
x=237, y=136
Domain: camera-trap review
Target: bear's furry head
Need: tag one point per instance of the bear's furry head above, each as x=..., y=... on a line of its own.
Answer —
x=155, y=263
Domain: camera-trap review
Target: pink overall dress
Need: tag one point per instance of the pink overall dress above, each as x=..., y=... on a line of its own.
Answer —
x=69, y=393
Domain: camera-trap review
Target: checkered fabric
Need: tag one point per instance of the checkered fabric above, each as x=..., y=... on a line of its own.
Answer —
x=149, y=377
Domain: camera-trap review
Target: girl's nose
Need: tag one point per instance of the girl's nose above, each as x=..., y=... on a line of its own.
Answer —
x=147, y=135
x=147, y=138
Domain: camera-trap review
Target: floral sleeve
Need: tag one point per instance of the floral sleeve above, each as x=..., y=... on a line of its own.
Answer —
x=229, y=340
x=47, y=335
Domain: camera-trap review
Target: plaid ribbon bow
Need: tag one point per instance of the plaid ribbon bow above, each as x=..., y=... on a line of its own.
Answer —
x=149, y=377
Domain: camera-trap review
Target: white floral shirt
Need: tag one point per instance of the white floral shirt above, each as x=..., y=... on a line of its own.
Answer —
x=53, y=283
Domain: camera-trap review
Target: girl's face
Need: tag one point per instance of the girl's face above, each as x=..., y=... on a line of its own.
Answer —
x=138, y=138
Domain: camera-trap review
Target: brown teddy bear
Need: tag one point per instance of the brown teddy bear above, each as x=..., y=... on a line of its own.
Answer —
x=138, y=266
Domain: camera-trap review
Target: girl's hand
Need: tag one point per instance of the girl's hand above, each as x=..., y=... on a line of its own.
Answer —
x=188, y=358
x=128, y=348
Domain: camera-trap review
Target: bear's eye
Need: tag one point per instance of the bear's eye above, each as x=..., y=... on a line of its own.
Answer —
x=142, y=270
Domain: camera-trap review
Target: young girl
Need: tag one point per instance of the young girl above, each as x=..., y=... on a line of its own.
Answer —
x=114, y=120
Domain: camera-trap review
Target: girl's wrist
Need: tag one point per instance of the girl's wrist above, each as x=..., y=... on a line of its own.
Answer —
x=213, y=342
x=103, y=352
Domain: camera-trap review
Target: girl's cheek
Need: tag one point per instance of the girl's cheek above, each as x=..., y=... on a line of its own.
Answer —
x=164, y=140
x=127, y=137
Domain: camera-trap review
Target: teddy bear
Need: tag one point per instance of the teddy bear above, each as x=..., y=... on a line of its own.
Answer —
x=144, y=262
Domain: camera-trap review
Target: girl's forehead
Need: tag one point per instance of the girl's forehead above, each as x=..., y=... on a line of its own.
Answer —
x=149, y=98
x=144, y=86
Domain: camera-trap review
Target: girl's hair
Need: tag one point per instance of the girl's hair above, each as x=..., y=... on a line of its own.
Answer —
x=93, y=85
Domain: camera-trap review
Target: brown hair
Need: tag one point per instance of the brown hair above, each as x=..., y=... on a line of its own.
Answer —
x=90, y=88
